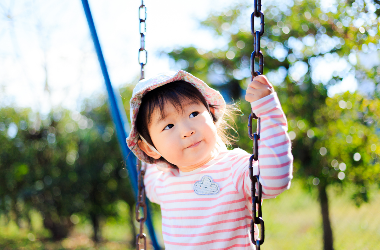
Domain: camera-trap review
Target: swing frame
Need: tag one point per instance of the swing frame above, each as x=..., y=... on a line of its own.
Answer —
x=120, y=120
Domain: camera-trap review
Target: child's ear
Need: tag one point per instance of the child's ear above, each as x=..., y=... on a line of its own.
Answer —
x=212, y=109
x=212, y=113
x=147, y=150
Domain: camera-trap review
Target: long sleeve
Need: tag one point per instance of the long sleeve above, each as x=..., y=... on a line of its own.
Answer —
x=151, y=181
x=275, y=157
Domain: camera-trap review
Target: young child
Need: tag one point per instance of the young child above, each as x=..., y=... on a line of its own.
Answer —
x=204, y=189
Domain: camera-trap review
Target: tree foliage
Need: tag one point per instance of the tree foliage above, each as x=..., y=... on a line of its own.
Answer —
x=62, y=164
x=299, y=36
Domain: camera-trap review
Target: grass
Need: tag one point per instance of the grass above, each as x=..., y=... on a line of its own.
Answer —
x=292, y=221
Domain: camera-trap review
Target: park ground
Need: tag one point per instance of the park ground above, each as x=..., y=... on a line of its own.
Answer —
x=292, y=221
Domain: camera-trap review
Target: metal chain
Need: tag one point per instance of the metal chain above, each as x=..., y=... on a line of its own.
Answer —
x=143, y=54
x=256, y=36
x=140, y=203
x=256, y=198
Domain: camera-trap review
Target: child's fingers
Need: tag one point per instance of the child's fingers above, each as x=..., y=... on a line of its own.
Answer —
x=258, y=85
x=263, y=80
x=258, y=92
x=258, y=88
x=250, y=97
x=255, y=91
x=252, y=94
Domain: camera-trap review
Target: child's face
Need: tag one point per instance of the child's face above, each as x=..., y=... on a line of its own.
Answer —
x=184, y=137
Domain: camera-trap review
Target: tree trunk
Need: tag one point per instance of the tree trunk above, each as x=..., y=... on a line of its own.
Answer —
x=58, y=226
x=132, y=222
x=29, y=220
x=96, y=228
x=327, y=231
x=17, y=214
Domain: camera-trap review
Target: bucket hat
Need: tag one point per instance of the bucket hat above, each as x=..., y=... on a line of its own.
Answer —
x=211, y=96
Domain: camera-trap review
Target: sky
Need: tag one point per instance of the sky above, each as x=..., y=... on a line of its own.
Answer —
x=47, y=58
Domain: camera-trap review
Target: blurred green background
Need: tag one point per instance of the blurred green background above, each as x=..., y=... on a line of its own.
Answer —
x=63, y=183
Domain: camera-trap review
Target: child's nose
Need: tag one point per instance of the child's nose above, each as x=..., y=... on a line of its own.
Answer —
x=188, y=133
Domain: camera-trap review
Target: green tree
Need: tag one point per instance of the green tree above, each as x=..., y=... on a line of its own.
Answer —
x=60, y=164
x=14, y=170
x=33, y=159
x=332, y=136
x=101, y=167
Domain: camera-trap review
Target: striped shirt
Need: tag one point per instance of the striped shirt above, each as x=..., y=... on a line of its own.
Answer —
x=210, y=207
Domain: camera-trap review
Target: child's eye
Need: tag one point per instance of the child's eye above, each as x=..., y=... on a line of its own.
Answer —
x=194, y=114
x=169, y=126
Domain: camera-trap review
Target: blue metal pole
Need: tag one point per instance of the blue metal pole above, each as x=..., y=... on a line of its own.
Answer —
x=119, y=119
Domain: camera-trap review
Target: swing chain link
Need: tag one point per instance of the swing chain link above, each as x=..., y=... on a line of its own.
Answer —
x=140, y=203
x=141, y=196
x=256, y=196
x=257, y=36
x=257, y=219
x=143, y=53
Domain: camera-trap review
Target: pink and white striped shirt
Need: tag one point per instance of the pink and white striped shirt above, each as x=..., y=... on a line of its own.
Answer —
x=210, y=207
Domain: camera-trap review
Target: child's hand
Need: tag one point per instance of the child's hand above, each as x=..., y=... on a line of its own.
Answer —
x=258, y=88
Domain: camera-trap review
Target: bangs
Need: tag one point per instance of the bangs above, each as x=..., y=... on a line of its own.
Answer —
x=178, y=94
x=179, y=102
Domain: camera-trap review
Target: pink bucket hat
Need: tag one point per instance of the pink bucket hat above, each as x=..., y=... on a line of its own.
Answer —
x=212, y=97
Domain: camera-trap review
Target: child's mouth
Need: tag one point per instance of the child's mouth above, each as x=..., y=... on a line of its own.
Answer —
x=194, y=145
